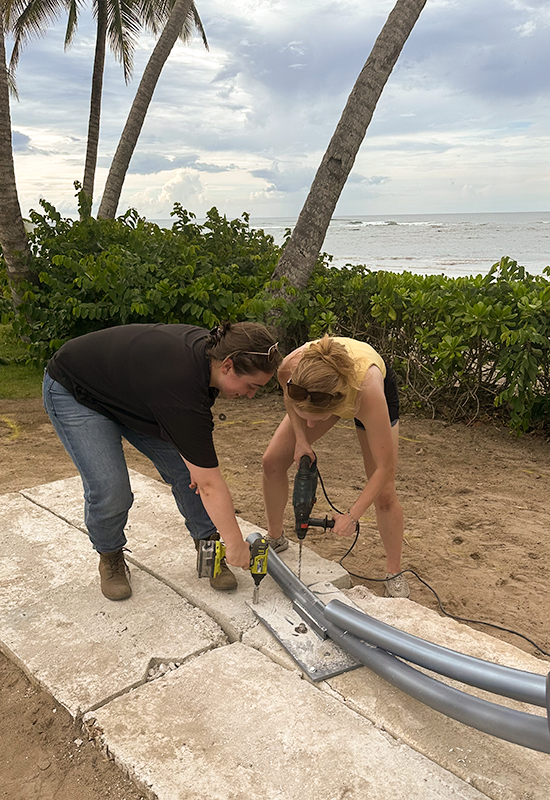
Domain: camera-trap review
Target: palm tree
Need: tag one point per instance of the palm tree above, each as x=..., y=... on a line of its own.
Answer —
x=118, y=22
x=13, y=237
x=183, y=17
x=303, y=247
x=122, y=29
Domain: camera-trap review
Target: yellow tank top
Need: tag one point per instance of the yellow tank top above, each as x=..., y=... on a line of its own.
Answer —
x=364, y=357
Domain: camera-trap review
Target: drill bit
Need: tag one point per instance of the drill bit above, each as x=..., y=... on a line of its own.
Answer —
x=300, y=559
x=256, y=594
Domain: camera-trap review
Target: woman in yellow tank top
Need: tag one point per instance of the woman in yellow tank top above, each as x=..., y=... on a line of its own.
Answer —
x=324, y=381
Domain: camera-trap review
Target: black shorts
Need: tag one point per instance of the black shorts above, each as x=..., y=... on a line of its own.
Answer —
x=391, y=393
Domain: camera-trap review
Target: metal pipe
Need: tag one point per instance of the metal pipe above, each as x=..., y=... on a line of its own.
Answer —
x=526, y=687
x=518, y=727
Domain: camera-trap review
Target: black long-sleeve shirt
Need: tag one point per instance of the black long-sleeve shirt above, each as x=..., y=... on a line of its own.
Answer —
x=154, y=379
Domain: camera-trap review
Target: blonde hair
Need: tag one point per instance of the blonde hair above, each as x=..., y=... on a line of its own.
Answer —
x=325, y=366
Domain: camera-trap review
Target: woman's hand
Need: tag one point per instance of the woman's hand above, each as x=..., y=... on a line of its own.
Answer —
x=303, y=448
x=344, y=525
x=238, y=555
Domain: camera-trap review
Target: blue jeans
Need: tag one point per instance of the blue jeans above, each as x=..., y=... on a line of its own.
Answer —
x=94, y=443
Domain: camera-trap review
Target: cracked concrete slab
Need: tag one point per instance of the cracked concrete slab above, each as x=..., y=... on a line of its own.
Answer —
x=202, y=728
x=56, y=624
x=252, y=729
x=160, y=543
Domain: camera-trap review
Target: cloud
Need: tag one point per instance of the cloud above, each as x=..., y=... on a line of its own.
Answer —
x=153, y=163
x=373, y=180
x=20, y=142
x=246, y=124
x=183, y=187
x=286, y=180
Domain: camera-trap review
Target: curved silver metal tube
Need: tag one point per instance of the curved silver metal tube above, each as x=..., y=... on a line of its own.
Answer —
x=518, y=727
x=526, y=687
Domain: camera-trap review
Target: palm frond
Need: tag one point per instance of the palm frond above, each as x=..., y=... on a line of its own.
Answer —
x=198, y=25
x=193, y=23
x=123, y=28
x=154, y=14
x=12, y=85
x=73, y=8
x=31, y=22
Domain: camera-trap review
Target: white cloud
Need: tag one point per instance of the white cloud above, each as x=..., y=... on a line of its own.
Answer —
x=244, y=126
x=183, y=187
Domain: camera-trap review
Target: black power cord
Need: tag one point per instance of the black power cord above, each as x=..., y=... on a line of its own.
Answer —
x=427, y=585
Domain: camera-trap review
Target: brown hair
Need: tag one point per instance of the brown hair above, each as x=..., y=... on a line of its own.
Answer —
x=325, y=366
x=250, y=346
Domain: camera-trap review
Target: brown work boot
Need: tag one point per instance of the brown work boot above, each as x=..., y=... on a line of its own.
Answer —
x=115, y=575
x=225, y=581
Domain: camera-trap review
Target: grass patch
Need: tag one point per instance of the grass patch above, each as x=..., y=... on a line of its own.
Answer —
x=19, y=379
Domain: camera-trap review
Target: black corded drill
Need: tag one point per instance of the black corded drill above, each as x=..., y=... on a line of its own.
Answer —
x=303, y=500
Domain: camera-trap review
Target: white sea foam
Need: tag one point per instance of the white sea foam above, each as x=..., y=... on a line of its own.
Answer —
x=448, y=244
x=428, y=244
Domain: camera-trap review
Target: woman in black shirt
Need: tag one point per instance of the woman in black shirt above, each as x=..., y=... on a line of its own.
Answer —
x=154, y=385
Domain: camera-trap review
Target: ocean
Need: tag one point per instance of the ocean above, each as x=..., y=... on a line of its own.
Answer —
x=430, y=244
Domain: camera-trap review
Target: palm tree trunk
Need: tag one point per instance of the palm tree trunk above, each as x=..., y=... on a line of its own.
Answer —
x=13, y=237
x=303, y=247
x=95, y=101
x=136, y=117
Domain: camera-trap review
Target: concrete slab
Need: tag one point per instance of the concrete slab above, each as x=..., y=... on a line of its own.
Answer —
x=160, y=543
x=499, y=769
x=202, y=729
x=236, y=725
x=56, y=624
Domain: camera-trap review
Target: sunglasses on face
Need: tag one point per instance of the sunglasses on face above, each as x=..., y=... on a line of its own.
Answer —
x=320, y=399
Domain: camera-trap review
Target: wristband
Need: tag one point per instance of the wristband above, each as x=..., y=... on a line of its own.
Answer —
x=355, y=521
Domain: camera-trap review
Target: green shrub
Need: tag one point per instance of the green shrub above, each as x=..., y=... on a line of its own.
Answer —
x=97, y=273
x=462, y=347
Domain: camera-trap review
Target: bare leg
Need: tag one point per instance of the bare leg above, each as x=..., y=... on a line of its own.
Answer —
x=389, y=513
x=277, y=460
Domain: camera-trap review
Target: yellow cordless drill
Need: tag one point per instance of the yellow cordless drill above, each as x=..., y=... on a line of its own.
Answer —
x=211, y=553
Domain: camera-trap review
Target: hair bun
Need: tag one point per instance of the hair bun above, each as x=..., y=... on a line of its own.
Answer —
x=217, y=334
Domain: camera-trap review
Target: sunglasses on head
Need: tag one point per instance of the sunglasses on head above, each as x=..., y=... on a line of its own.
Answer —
x=270, y=354
x=320, y=399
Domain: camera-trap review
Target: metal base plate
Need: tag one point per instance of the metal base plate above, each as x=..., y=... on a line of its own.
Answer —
x=318, y=658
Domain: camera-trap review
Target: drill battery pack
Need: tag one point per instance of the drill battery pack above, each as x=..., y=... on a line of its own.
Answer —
x=209, y=558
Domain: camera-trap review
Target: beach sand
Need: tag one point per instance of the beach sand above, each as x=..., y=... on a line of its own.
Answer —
x=477, y=519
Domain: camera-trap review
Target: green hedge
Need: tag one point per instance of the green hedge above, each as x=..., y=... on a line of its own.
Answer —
x=462, y=347
x=98, y=273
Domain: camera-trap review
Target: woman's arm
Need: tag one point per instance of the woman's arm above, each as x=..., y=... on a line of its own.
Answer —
x=373, y=413
x=219, y=505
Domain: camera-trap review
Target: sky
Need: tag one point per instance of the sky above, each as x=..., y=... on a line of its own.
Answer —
x=462, y=126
